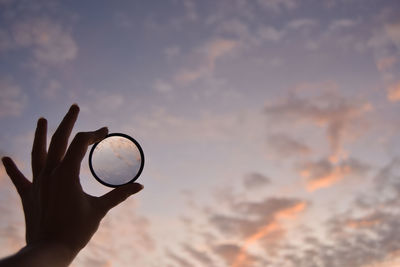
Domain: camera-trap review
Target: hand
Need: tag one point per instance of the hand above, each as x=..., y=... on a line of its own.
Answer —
x=59, y=215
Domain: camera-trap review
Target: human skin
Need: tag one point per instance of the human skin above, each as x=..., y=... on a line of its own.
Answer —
x=60, y=217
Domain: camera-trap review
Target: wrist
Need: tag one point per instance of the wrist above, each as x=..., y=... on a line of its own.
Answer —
x=46, y=253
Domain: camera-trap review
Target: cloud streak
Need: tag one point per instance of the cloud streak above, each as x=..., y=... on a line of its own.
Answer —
x=331, y=111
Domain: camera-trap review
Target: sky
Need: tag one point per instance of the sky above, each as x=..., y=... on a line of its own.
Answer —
x=269, y=127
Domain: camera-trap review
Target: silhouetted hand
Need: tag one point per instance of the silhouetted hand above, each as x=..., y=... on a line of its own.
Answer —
x=60, y=217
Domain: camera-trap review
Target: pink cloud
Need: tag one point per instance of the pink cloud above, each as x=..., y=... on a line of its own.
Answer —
x=386, y=63
x=393, y=92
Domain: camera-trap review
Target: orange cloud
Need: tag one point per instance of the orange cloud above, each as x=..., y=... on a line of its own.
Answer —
x=291, y=212
x=393, y=92
x=362, y=223
x=324, y=173
x=329, y=179
x=271, y=227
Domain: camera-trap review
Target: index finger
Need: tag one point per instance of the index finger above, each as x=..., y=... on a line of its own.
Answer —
x=77, y=150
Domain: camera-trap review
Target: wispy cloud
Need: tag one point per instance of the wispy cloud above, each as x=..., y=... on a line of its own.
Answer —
x=278, y=5
x=255, y=181
x=341, y=24
x=209, y=55
x=282, y=145
x=199, y=255
x=12, y=99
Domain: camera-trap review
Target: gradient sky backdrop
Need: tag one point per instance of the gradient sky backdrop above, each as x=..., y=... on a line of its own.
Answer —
x=270, y=127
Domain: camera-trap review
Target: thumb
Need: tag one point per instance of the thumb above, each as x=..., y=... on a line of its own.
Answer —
x=18, y=179
x=118, y=195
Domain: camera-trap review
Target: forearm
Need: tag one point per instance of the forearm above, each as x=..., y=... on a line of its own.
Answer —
x=40, y=255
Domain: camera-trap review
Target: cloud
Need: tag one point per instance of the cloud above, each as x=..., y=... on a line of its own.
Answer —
x=5, y=40
x=177, y=128
x=393, y=32
x=300, y=23
x=12, y=99
x=228, y=252
x=323, y=173
x=385, y=44
x=269, y=208
x=255, y=181
x=235, y=27
x=198, y=255
x=358, y=237
x=330, y=110
x=212, y=51
x=393, y=92
x=100, y=101
x=251, y=36
x=386, y=63
x=285, y=146
x=270, y=33
x=123, y=20
x=387, y=179
x=277, y=5
x=52, y=89
x=172, y=52
x=272, y=231
x=364, y=222
x=190, y=10
x=254, y=222
x=178, y=259
x=341, y=24
x=51, y=43
x=162, y=86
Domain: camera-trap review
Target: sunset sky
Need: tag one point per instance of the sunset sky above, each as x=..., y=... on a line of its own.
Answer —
x=271, y=128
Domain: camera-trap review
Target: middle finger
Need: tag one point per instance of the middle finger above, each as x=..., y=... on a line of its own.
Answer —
x=59, y=141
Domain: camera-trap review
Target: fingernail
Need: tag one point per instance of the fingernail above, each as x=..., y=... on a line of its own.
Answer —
x=74, y=107
x=141, y=187
x=101, y=133
x=103, y=130
x=5, y=160
x=136, y=187
x=41, y=120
